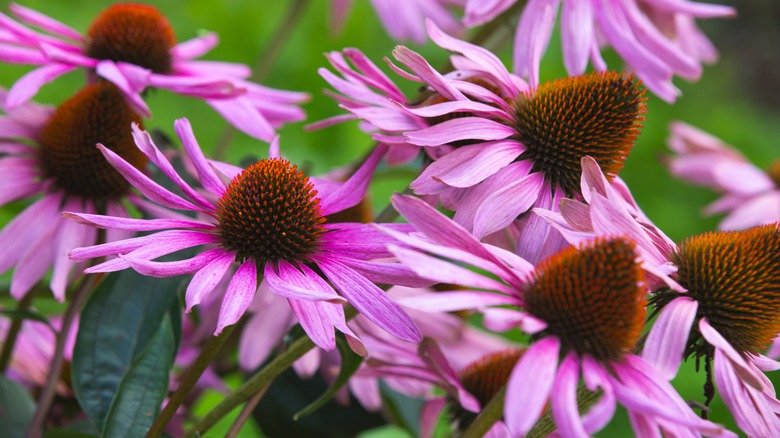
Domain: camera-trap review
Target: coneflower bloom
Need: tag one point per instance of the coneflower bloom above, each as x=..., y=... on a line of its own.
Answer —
x=584, y=308
x=657, y=39
x=727, y=317
x=512, y=148
x=51, y=152
x=269, y=220
x=133, y=46
x=404, y=20
x=751, y=196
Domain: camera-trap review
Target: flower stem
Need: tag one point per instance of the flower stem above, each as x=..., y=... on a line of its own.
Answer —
x=188, y=380
x=88, y=284
x=252, y=386
x=246, y=413
x=492, y=412
x=259, y=381
x=264, y=63
x=13, y=331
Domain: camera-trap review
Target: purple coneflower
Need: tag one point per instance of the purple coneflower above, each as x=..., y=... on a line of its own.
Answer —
x=584, y=308
x=727, y=317
x=751, y=196
x=133, y=46
x=52, y=153
x=270, y=220
x=656, y=38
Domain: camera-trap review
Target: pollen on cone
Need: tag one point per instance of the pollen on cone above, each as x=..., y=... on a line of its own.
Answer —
x=735, y=278
x=562, y=121
x=590, y=298
x=270, y=212
x=132, y=33
x=68, y=151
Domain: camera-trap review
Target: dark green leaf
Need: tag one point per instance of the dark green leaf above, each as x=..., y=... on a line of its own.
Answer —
x=16, y=408
x=349, y=364
x=143, y=387
x=66, y=433
x=25, y=314
x=117, y=323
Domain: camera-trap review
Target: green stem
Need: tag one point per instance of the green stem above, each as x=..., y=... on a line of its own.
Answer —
x=188, y=381
x=258, y=381
x=493, y=412
x=246, y=413
x=252, y=386
x=46, y=398
x=264, y=63
x=13, y=331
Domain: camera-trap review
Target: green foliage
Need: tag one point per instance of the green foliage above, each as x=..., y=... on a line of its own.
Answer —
x=16, y=408
x=127, y=340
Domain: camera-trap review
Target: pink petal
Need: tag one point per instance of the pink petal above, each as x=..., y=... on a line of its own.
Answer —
x=291, y=283
x=466, y=166
x=352, y=191
x=665, y=344
x=426, y=73
x=205, y=280
x=564, y=398
x=239, y=294
x=273, y=318
x=18, y=234
x=504, y=206
x=429, y=415
x=169, y=269
x=206, y=174
x=69, y=235
x=464, y=128
x=371, y=301
x=35, y=261
x=741, y=367
x=240, y=113
x=195, y=47
x=124, y=223
x=28, y=85
x=455, y=301
x=315, y=321
x=144, y=184
x=532, y=37
x=530, y=385
x=576, y=35
x=501, y=319
x=602, y=412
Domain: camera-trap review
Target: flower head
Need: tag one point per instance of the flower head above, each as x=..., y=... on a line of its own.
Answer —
x=268, y=220
x=584, y=308
x=134, y=47
x=751, y=196
x=733, y=293
x=52, y=153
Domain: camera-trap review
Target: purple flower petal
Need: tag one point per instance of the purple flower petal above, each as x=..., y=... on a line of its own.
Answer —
x=17, y=235
x=206, y=175
x=45, y=22
x=28, y=85
x=205, y=280
x=530, y=384
x=352, y=191
x=371, y=301
x=668, y=337
x=532, y=37
x=273, y=318
x=169, y=269
x=455, y=301
x=291, y=283
x=69, y=235
x=576, y=35
x=464, y=128
x=564, y=398
x=144, y=184
x=124, y=223
x=603, y=410
x=195, y=47
x=741, y=367
x=502, y=207
x=240, y=292
x=426, y=73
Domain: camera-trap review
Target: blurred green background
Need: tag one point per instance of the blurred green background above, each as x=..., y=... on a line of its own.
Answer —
x=737, y=100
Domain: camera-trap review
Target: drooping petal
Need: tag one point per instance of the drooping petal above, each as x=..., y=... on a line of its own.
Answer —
x=530, y=385
x=240, y=292
x=564, y=398
x=205, y=280
x=665, y=344
x=288, y=281
x=371, y=301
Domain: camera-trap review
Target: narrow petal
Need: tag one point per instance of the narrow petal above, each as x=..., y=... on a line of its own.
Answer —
x=564, y=398
x=169, y=269
x=240, y=292
x=530, y=385
x=504, y=206
x=273, y=318
x=532, y=37
x=206, y=174
x=315, y=321
x=741, y=367
x=17, y=235
x=576, y=35
x=205, y=280
x=352, y=191
x=455, y=301
x=28, y=85
x=463, y=128
x=371, y=301
x=665, y=345
x=125, y=223
x=69, y=235
x=290, y=282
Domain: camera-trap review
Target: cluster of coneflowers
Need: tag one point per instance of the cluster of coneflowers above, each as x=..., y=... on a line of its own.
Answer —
x=519, y=217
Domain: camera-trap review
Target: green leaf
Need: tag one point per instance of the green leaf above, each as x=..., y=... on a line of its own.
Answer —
x=67, y=433
x=26, y=314
x=143, y=387
x=117, y=323
x=16, y=408
x=349, y=364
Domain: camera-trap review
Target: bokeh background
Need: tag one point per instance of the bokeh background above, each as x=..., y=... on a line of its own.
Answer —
x=737, y=99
